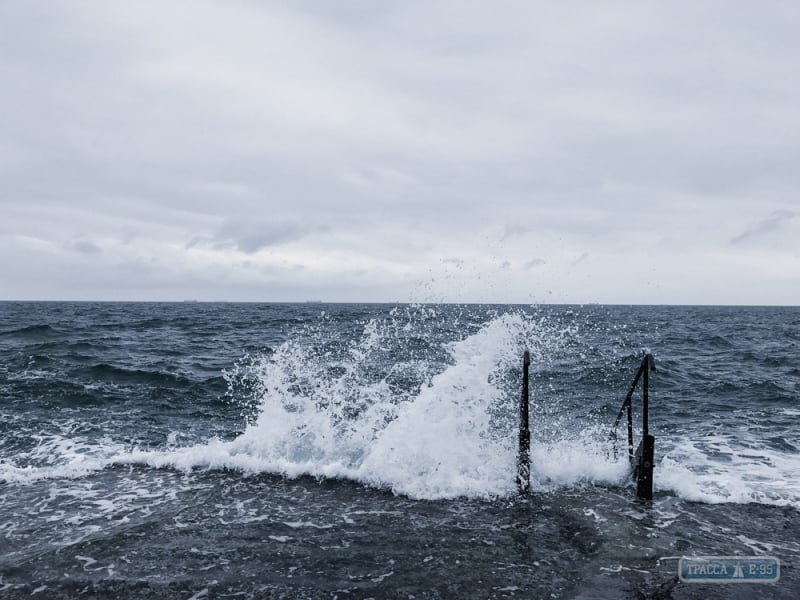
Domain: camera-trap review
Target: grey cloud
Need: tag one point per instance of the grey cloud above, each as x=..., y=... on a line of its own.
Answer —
x=599, y=132
x=765, y=227
x=580, y=259
x=86, y=247
x=252, y=236
x=515, y=230
x=532, y=264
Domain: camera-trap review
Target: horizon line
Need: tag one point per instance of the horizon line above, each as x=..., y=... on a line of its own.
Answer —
x=406, y=302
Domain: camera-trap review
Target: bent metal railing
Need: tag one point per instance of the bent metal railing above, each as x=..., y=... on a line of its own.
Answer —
x=642, y=461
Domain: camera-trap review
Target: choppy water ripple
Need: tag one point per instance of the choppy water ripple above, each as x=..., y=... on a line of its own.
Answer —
x=162, y=450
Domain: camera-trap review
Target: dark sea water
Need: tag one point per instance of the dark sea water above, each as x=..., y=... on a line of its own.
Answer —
x=203, y=450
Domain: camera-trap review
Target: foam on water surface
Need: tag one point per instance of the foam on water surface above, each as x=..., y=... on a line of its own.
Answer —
x=724, y=468
x=399, y=408
x=448, y=438
x=454, y=436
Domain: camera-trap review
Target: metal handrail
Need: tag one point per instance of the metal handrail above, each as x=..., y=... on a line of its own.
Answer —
x=648, y=364
x=642, y=461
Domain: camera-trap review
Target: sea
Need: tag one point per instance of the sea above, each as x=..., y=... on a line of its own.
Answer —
x=242, y=450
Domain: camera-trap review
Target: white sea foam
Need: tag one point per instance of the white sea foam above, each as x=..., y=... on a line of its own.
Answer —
x=721, y=468
x=582, y=457
x=437, y=444
x=445, y=441
x=453, y=435
x=59, y=456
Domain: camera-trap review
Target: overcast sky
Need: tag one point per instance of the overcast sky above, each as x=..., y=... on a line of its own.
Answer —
x=631, y=152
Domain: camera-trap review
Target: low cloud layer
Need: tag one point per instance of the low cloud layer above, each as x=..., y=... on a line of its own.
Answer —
x=765, y=228
x=525, y=152
x=251, y=236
